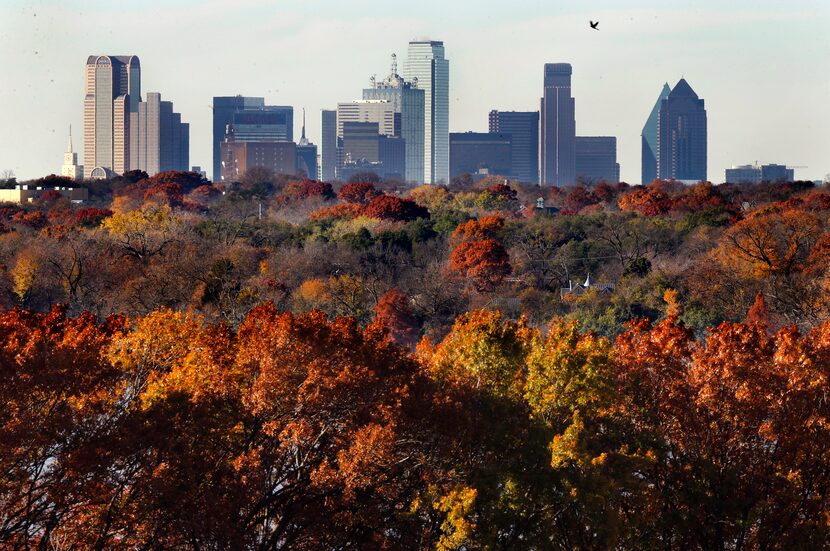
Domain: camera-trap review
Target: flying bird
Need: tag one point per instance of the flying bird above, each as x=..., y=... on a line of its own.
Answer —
x=594, y=25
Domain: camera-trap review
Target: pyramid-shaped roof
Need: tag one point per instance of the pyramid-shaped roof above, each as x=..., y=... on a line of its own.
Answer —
x=682, y=89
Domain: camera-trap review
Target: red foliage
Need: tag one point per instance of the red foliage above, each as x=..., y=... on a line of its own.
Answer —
x=579, y=198
x=394, y=311
x=388, y=207
x=35, y=219
x=91, y=217
x=299, y=191
x=485, y=262
x=188, y=181
x=346, y=211
x=360, y=193
x=486, y=227
x=50, y=195
x=167, y=193
x=503, y=191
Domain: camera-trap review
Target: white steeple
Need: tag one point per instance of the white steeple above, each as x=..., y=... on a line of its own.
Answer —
x=70, y=167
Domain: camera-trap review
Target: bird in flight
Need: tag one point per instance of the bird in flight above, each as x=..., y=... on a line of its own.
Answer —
x=594, y=25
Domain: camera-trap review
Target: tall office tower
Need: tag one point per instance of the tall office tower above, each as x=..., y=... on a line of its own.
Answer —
x=480, y=154
x=271, y=123
x=380, y=111
x=557, y=126
x=113, y=91
x=224, y=108
x=360, y=141
x=307, y=155
x=328, y=155
x=163, y=140
x=595, y=159
x=408, y=102
x=238, y=157
x=428, y=69
x=70, y=167
x=523, y=127
x=681, y=135
x=649, y=139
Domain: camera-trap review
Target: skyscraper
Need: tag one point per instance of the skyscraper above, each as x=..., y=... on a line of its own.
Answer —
x=70, y=167
x=649, y=139
x=428, y=69
x=595, y=159
x=681, y=135
x=307, y=155
x=328, y=155
x=408, y=103
x=557, y=126
x=480, y=153
x=163, y=139
x=523, y=127
x=113, y=91
x=224, y=108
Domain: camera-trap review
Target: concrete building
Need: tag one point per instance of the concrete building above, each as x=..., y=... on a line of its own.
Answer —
x=408, y=103
x=381, y=112
x=70, y=167
x=523, y=127
x=754, y=174
x=306, y=155
x=649, y=139
x=428, y=69
x=163, y=139
x=239, y=157
x=328, y=153
x=596, y=160
x=480, y=153
x=557, y=131
x=682, y=135
x=113, y=92
x=224, y=108
x=23, y=193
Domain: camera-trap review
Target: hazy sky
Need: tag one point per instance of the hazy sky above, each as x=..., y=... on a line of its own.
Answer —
x=763, y=66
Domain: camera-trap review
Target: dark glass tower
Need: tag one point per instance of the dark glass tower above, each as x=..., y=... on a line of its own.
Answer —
x=223, y=110
x=649, y=138
x=681, y=135
x=523, y=127
x=557, y=127
x=328, y=154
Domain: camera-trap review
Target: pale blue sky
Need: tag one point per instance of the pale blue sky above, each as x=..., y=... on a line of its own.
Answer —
x=763, y=66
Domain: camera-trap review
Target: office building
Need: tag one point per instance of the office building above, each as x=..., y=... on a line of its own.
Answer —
x=238, y=157
x=252, y=121
x=70, y=167
x=392, y=157
x=306, y=155
x=557, y=131
x=360, y=142
x=163, y=139
x=523, y=127
x=113, y=91
x=754, y=174
x=428, y=69
x=381, y=112
x=408, y=102
x=328, y=153
x=649, y=139
x=480, y=154
x=681, y=135
x=595, y=160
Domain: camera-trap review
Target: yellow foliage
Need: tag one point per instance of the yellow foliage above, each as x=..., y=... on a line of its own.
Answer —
x=457, y=526
x=23, y=273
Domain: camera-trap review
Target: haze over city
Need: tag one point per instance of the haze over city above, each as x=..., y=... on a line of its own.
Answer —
x=762, y=71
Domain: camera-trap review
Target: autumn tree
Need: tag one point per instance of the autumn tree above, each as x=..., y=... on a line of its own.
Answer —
x=483, y=262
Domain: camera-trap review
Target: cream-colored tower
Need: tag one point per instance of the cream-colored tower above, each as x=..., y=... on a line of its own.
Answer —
x=71, y=168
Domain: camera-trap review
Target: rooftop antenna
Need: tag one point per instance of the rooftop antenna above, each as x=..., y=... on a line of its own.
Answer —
x=373, y=80
x=394, y=64
x=303, y=139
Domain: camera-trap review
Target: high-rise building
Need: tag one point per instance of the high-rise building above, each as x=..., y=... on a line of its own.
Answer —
x=328, y=154
x=239, y=157
x=381, y=112
x=70, y=167
x=163, y=139
x=557, y=126
x=360, y=142
x=681, y=135
x=523, y=127
x=480, y=153
x=113, y=91
x=649, y=139
x=595, y=159
x=307, y=155
x=392, y=157
x=428, y=69
x=408, y=102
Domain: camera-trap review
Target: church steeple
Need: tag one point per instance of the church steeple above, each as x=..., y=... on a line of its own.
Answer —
x=70, y=167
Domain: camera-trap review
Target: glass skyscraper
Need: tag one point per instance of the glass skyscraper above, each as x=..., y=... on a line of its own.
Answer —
x=557, y=127
x=681, y=135
x=649, y=138
x=428, y=69
x=523, y=127
x=328, y=143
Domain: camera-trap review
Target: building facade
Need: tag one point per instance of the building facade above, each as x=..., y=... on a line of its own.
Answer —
x=328, y=153
x=113, y=92
x=596, y=160
x=523, y=127
x=408, y=102
x=649, y=139
x=306, y=155
x=70, y=167
x=754, y=174
x=557, y=132
x=239, y=157
x=428, y=69
x=163, y=139
x=480, y=153
x=682, y=135
x=381, y=112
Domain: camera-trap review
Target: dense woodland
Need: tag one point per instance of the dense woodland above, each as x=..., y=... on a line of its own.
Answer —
x=286, y=364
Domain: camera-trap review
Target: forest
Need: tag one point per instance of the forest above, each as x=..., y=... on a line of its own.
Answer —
x=280, y=363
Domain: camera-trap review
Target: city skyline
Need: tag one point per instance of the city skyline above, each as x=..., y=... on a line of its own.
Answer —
x=614, y=80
